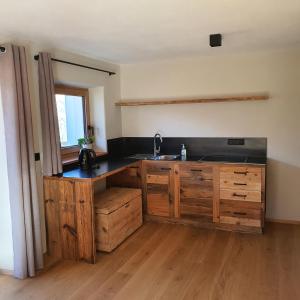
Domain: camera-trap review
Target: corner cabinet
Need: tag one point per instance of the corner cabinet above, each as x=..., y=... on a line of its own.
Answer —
x=223, y=196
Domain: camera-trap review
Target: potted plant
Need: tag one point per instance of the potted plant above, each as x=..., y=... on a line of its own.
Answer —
x=86, y=142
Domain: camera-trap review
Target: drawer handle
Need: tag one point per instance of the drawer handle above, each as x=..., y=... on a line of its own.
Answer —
x=239, y=195
x=126, y=205
x=196, y=170
x=241, y=173
x=165, y=169
x=81, y=201
x=239, y=213
x=237, y=183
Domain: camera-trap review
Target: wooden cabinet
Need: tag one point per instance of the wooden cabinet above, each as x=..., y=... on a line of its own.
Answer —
x=69, y=219
x=196, y=192
x=242, y=195
x=224, y=195
x=159, y=188
x=118, y=214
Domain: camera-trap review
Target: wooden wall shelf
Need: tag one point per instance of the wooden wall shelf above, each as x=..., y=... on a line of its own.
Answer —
x=192, y=101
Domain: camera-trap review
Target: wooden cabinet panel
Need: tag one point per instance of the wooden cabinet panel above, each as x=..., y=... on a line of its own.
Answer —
x=113, y=228
x=51, y=200
x=250, y=181
x=68, y=220
x=241, y=195
x=85, y=220
x=159, y=188
x=240, y=213
x=196, y=192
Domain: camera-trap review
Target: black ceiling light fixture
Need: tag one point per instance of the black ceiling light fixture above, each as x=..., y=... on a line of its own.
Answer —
x=215, y=40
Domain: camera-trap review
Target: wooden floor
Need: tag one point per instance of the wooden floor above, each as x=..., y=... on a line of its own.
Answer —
x=164, y=261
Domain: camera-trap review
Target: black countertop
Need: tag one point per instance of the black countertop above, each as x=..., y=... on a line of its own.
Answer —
x=104, y=167
x=112, y=164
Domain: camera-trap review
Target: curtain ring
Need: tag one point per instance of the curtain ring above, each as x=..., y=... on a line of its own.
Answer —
x=2, y=49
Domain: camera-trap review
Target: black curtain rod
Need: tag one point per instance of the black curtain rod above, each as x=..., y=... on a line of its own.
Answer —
x=36, y=57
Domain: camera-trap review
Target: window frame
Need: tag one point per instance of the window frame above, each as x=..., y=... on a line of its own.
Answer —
x=71, y=151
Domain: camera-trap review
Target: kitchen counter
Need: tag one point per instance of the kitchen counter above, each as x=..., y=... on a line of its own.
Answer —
x=110, y=166
x=104, y=168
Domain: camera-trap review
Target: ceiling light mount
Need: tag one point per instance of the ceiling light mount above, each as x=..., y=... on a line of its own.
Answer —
x=215, y=40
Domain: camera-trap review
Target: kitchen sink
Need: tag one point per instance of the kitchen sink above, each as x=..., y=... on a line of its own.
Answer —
x=152, y=157
x=166, y=157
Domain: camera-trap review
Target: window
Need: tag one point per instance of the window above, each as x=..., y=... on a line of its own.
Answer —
x=73, y=117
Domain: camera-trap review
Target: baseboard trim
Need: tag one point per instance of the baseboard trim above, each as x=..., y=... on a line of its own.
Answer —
x=294, y=222
x=6, y=272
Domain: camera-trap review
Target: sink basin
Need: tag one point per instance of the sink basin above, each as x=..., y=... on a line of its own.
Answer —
x=166, y=157
x=152, y=157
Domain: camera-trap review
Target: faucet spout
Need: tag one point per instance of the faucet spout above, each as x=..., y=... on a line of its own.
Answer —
x=156, y=149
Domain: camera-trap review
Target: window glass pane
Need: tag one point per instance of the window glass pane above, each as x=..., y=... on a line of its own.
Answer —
x=70, y=119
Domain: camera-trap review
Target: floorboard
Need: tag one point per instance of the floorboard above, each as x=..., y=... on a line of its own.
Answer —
x=166, y=261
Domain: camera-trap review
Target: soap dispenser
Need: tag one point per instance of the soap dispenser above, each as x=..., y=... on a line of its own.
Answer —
x=183, y=152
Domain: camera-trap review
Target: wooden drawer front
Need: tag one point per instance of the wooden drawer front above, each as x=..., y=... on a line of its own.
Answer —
x=240, y=213
x=243, y=178
x=195, y=173
x=158, y=200
x=240, y=195
x=113, y=228
x=196, y=208
x=157, y=178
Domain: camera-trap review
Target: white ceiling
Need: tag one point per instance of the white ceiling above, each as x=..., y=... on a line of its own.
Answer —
x=125, y=31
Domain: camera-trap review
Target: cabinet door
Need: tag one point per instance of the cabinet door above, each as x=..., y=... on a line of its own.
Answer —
x=85, y=221
x=68, y=220
x=159, y=199
x=196, y=192
x=51, y=201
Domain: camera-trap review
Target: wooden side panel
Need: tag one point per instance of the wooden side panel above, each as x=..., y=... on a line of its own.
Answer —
x=85, y=221
x=216, y=194
x=68, y=220
x=51, y=199
x=130, y=177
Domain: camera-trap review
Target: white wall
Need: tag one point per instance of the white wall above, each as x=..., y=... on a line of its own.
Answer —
x=6, y=244
x=277, y=73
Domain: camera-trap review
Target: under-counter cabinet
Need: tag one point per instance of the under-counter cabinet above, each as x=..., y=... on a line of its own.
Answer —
x=223, y=196
x=159, y=188
x=118, y=214
x=196, y=192
x=242, y=192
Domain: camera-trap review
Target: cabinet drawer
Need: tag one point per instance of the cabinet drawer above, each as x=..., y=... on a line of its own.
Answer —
x=245, y=178
x=240, y=195
x=195, y=173
x=115, y=227
x=240, y=213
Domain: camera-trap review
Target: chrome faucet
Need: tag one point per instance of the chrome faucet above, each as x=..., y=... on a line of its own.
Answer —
x=156, y=150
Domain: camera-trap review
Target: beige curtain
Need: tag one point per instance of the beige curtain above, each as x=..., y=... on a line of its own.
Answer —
x=50, y=132
x=15, y=98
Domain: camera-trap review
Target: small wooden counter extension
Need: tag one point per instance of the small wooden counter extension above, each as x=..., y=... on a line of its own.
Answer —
x=69, y=210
